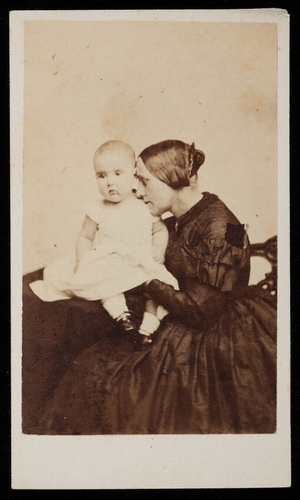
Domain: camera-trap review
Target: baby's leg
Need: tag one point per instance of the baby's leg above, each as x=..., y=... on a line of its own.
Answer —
x=161, y=312
x=117, y=308
x=116, y=305
x=151, y=307
x=150, y=321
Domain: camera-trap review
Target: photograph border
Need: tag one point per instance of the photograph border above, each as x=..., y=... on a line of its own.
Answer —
x=176, y=461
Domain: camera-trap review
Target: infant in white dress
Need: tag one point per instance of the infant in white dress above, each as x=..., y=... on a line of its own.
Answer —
x=119, y=247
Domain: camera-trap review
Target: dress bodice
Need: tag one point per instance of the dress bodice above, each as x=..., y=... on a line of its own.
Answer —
x=126, y=223
x=208, y=243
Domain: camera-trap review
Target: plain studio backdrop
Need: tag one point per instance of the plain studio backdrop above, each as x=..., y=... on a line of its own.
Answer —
x=143, y=82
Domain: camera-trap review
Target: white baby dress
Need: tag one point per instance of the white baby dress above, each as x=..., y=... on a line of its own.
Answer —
x=119, y=261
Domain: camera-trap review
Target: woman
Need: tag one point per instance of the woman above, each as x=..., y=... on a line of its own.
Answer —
x=212, y=365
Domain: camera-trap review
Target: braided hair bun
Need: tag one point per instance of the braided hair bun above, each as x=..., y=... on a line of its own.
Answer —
x=196, y=159
x=173, y=162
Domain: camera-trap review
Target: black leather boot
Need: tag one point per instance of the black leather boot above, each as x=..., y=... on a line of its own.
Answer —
x=125, y=322
x=129, y=328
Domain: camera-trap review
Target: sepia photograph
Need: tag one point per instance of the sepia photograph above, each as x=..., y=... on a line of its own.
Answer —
x=150, y=186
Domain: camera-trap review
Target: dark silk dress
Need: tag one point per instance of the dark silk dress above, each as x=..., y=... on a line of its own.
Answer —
x=212, y=365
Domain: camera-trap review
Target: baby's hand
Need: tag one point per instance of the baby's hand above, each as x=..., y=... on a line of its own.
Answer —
x=158, y=256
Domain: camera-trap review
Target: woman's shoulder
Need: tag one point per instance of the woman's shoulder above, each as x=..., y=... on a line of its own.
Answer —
x=218, y=212
x=215, y=221
x=213, y=205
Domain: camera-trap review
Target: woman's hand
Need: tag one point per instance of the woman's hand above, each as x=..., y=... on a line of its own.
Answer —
x=158, y=256
x=147, y=282
x=160, y=238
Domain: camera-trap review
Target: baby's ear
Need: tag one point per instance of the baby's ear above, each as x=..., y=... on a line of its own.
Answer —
x=135, y=184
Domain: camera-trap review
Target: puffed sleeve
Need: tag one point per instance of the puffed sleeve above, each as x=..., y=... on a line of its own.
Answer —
x=215, y=249
x=212, y=255
x=219, y=256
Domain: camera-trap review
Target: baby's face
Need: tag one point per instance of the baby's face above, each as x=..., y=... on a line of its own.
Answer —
x=115, y=175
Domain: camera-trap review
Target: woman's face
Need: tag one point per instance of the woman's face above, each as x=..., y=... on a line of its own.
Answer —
x=158, y=197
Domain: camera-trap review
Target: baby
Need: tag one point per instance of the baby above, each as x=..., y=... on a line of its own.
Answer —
x=119, y=247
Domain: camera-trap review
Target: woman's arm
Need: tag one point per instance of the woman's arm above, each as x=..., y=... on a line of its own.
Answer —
x=85, y=239
x=160, y=237
x=200, y=305
x=212, y=263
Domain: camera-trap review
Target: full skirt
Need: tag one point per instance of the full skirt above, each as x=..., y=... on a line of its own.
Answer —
x=220, y=380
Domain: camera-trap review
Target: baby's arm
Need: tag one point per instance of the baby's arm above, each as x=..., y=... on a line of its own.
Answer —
x=85, y=239
x=160, y=237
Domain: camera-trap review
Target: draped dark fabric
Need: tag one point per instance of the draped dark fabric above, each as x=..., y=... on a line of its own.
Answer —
x=210, y=369
x=54, y=335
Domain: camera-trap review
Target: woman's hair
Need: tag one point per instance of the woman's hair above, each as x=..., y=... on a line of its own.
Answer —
x=173, y=162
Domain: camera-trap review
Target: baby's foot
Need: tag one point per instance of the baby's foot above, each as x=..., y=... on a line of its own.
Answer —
x=128, y=326
x=126, y=322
